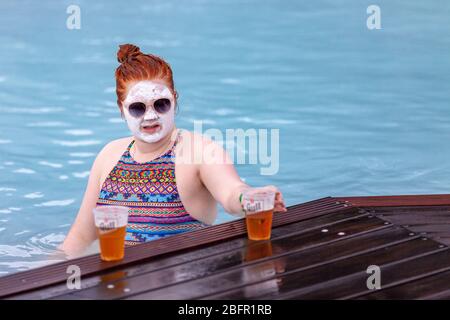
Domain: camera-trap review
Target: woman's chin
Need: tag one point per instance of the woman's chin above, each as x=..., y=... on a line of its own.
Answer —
x=149, y=137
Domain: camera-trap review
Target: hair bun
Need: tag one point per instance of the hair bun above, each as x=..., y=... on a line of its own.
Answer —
x=127, y=52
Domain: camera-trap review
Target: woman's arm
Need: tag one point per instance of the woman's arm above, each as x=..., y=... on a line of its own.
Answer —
x=220, y=177
x=82, y=232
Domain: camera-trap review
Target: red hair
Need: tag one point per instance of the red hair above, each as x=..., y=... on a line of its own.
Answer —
x=137, y=66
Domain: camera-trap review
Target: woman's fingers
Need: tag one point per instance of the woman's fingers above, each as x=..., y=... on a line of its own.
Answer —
x=279, y=205
x=279, y=208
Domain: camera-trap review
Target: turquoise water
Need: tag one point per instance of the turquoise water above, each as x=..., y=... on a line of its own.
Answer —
x=360, y=112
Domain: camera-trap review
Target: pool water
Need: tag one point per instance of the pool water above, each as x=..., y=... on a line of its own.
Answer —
x=360, y=112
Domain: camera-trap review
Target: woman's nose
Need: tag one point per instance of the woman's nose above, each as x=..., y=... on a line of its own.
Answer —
x=150, y=114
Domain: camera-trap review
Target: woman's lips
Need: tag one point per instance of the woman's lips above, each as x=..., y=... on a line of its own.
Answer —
x=151, y=128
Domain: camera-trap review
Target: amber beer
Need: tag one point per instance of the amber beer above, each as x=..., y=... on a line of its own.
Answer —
x=111, y=223
x=258, y=206
x=259, y=225
x=112, y=243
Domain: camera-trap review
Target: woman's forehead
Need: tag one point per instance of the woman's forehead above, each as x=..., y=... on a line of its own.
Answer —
x=148, y=89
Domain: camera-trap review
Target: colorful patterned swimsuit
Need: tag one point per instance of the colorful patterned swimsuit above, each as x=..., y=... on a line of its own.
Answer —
x=149, y=189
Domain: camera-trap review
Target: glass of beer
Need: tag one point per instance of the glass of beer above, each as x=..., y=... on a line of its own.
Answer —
x=258, y=206
x=111, y=223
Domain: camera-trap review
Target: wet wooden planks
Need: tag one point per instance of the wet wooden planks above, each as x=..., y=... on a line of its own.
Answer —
x=319, y=250
x=224, y=249
x=398, y=200
x=289, y=266
x=217, y=268
x=54, y=275
x=270, y=278
x=436, y=286
x=432, y=222
x=412, y=261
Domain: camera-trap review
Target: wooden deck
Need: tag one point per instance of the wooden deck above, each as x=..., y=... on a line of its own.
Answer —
x=319, y=250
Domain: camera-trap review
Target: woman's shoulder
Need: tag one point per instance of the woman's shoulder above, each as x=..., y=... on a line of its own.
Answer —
x=108, y=157
x=115, y=147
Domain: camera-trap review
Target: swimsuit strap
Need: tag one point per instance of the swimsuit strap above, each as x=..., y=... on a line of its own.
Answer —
x=177, y=138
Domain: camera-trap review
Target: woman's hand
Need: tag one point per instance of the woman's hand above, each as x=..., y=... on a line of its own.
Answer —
x=279, y=201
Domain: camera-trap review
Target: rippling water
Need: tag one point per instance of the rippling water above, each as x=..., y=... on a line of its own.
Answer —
x=360, y=112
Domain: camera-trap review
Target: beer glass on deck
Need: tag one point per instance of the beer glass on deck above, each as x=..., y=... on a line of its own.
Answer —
x=258, y=206
x=111, y=223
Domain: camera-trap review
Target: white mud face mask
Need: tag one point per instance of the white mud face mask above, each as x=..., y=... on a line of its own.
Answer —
x=149, y=110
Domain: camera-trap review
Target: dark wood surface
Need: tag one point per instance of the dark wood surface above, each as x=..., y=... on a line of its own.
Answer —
x=402, y=200
x=433, y=222
x=57, y=273
x=318, y=250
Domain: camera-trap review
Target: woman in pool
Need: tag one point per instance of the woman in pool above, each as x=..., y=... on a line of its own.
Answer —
x=139, y=171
